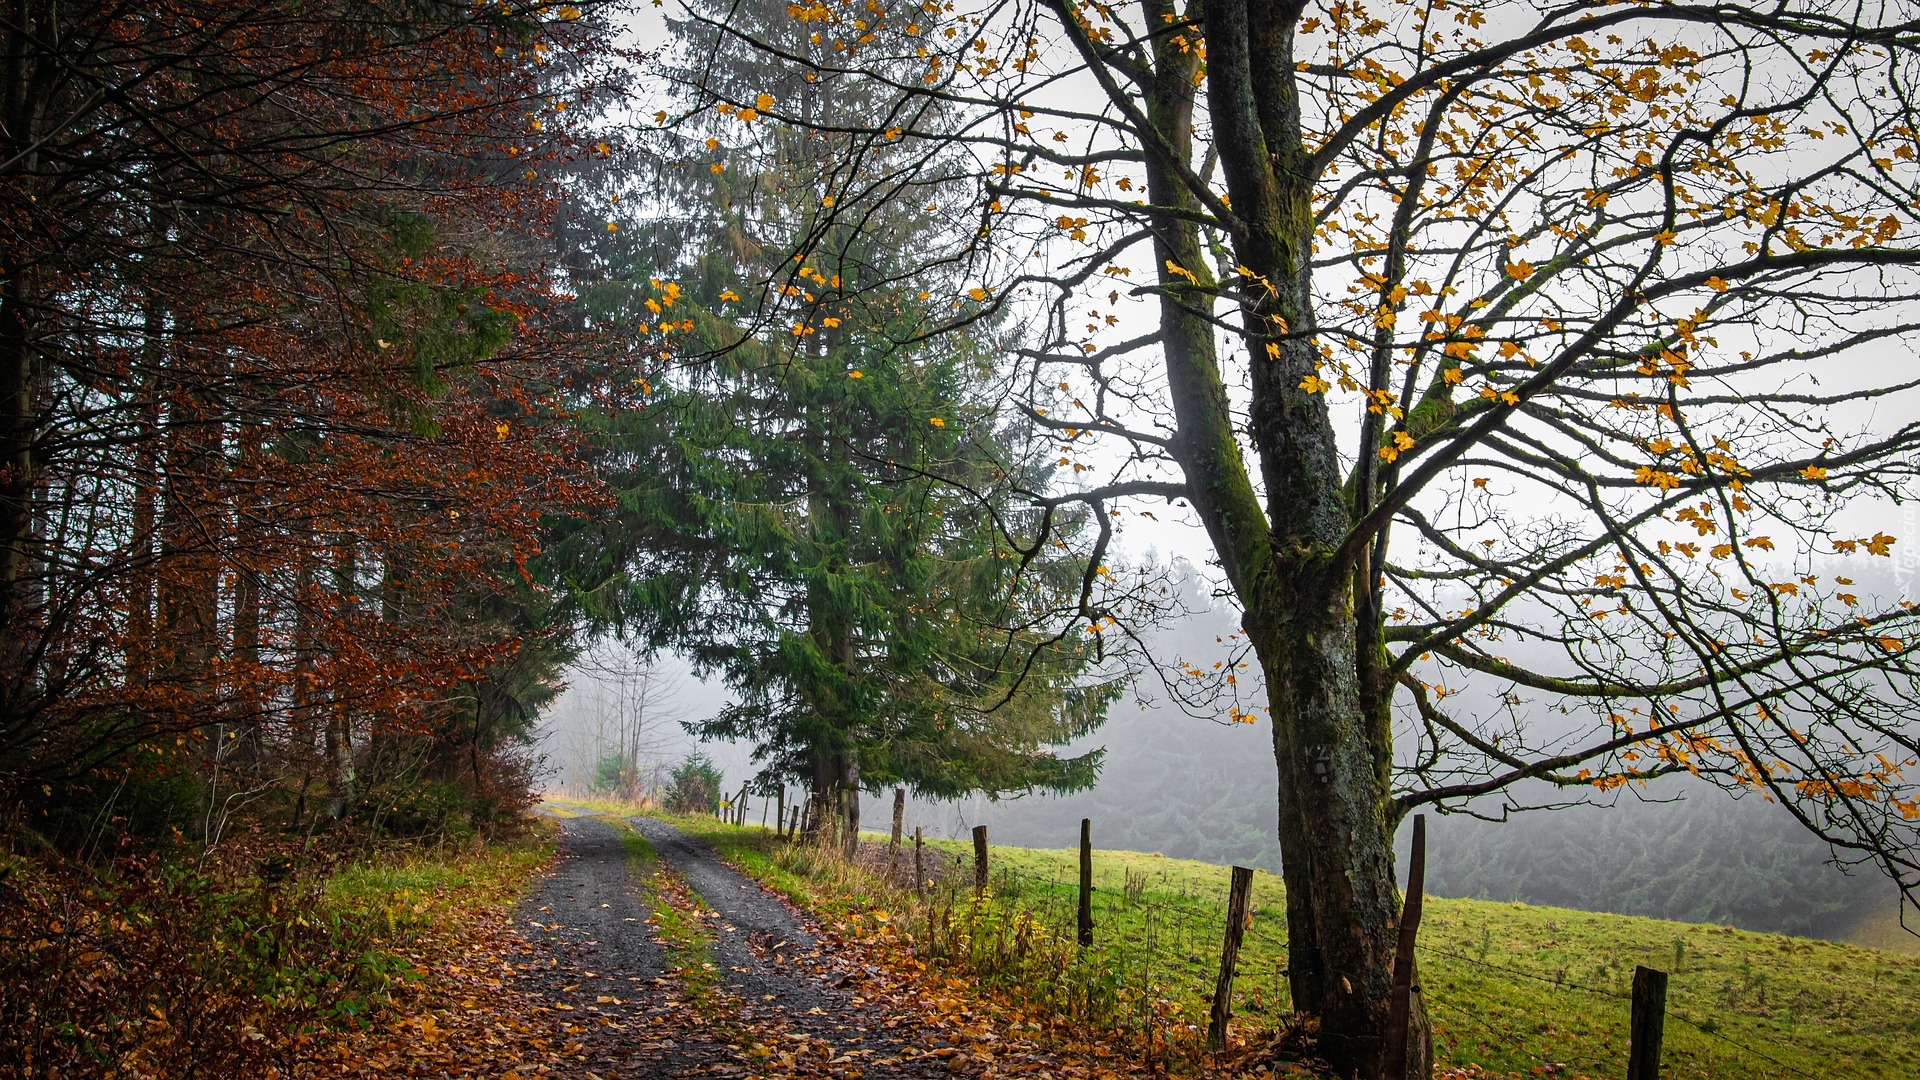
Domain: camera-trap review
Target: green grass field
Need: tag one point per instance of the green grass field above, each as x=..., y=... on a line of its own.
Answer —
x=1512, y=988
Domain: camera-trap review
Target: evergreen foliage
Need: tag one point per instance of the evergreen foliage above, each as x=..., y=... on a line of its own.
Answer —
x=817, y=511
x=694, y=786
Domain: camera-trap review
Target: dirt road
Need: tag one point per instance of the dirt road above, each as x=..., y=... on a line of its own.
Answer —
x=785, y=1006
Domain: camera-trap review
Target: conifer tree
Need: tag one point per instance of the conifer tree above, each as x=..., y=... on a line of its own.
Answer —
x=816, y=498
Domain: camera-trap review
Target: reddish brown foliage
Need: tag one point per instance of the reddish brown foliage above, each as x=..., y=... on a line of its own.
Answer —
x=277, y=417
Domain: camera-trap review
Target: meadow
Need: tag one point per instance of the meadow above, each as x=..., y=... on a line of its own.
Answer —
x=1512, y=989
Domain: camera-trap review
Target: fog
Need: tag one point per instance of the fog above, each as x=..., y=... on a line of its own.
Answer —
x=1201, y=788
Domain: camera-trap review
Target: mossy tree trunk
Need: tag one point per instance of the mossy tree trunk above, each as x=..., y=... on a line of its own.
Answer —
x=1332, y=743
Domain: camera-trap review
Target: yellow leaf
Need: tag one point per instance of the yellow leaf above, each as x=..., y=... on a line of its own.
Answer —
x=729, y=295
x=1814, y=472
x=1314, y=384
x=830, y=322
x=500, y=430
x=1520, y=271
x=763, y=102
x=979, y=295
x=855, y=375
x=936, y=421
x=1716, y=284
x=1890, y=643
x=1759, y=543
x=1879, y=544
x=611, y=227
x=1664, y=481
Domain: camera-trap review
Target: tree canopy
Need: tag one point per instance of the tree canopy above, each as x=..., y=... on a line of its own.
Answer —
x=278, y=415
x=1542, y=347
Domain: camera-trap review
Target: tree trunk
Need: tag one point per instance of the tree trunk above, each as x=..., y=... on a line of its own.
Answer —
x=339, y=736
x=146, y=507
x=850, y=805
x=191, y=519
x=18, y=423
x=1335, y=846
x=1331, y=745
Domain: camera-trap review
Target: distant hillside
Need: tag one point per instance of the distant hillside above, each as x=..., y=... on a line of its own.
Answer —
x=1197, y=790
x=1881, y=929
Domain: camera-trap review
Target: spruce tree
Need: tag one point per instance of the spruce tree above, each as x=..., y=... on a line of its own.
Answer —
x=815, y=498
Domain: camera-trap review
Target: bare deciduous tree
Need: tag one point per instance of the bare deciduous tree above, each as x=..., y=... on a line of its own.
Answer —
x=1535, y=348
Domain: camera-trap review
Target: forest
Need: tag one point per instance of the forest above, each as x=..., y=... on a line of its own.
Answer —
x=1268, y=429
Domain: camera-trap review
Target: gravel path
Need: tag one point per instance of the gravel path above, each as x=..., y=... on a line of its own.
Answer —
x=592, y=955
x=756, y=938
x=590, y=906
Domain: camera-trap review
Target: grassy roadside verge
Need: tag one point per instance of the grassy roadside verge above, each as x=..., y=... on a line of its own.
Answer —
x=1514, y=989
x=411, y=901
x=237, y=962
x=678, y=918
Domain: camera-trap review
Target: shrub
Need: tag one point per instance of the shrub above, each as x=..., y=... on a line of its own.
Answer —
x=694, y=786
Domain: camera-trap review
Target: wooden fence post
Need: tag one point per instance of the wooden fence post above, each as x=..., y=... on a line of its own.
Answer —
x=1229, y=956
x=1648, y=1023
x=1086, y=882
x=780, y=815
x=979, y=860
x=893, y=844
x=1400, y=996
x=919, y=867
x=740, y=813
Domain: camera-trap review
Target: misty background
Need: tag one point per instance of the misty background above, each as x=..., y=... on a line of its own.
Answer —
x=1197, y=788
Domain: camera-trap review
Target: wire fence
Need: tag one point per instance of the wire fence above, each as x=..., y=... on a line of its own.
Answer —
x=1150, y=972
x=1155, y=959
